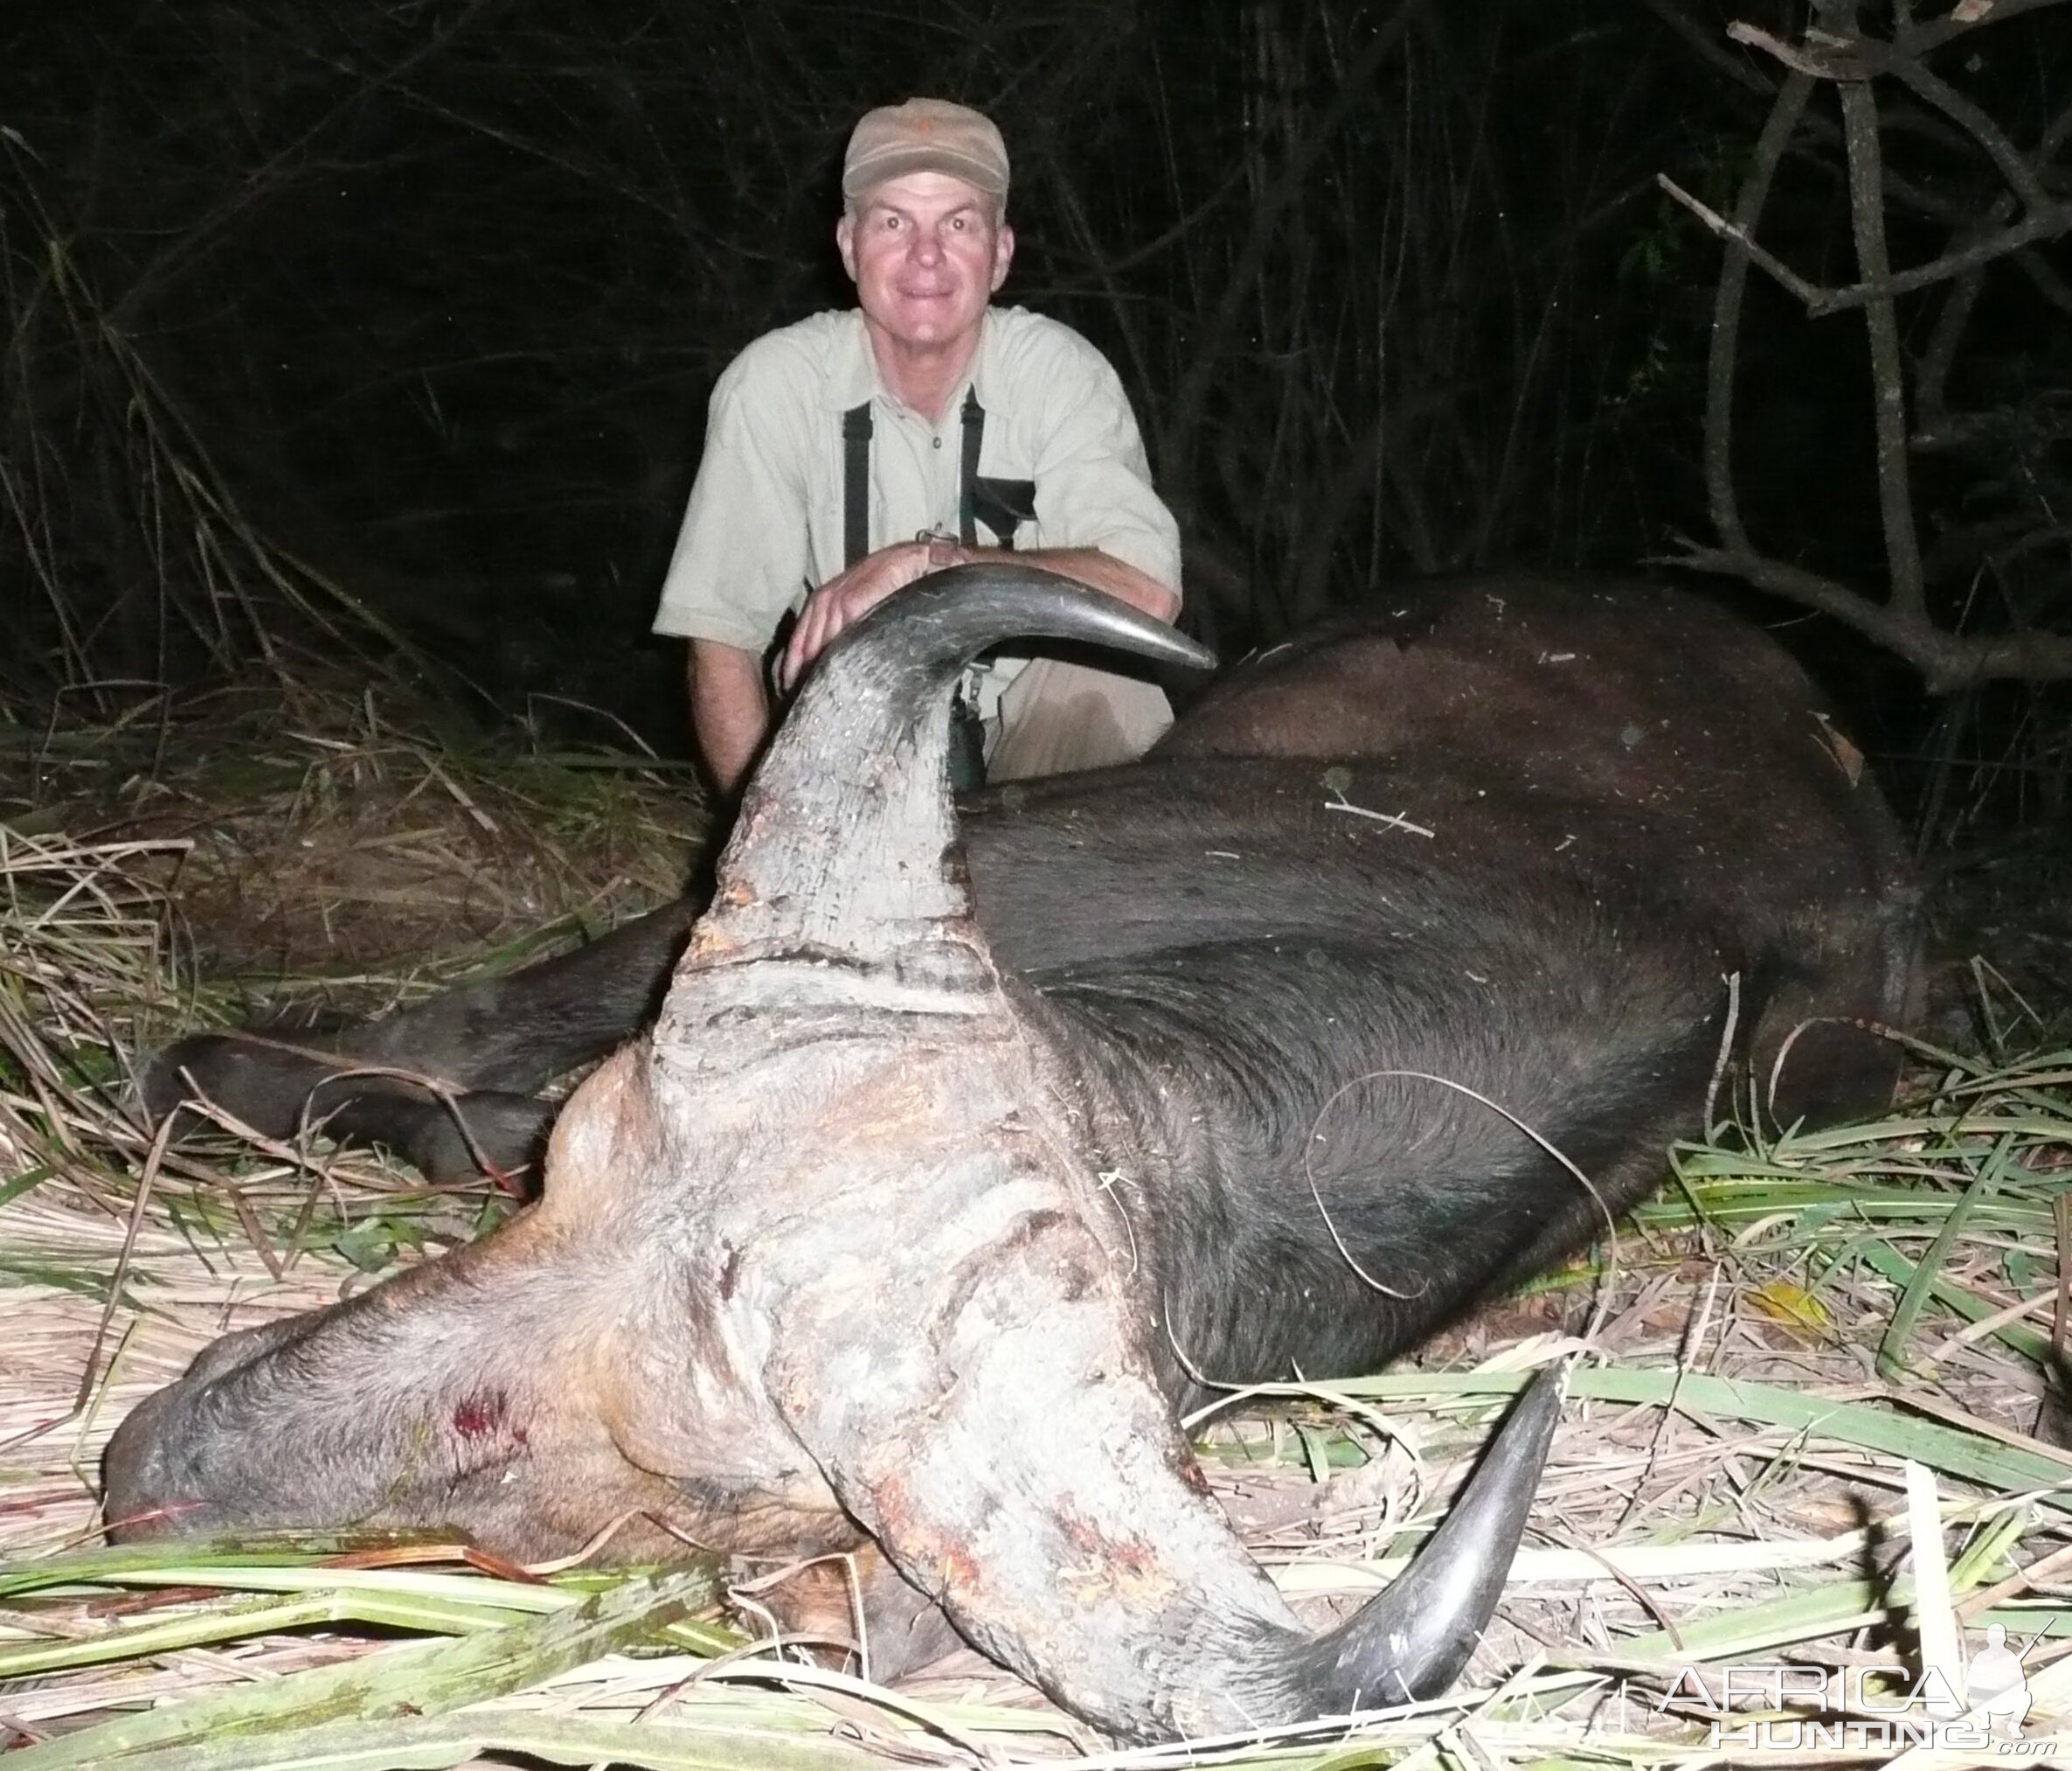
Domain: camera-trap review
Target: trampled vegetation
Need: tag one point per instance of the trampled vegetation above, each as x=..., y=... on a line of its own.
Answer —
x=1770, y=1347
x=349, y=394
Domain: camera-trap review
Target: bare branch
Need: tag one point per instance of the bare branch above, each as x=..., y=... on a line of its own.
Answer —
x=275, y=176
x=1699, y=39
x=1933, y=376
x=2020, y=175
x=1947, y=661
x=1726, y=312
x=1851, y=61
x=2043, y=225
x=1900, y=622
x=1819, y=57
x=1191, y=398
x=1934, y=373
x=1968, y=15
x=2047, y=283
x=1889, y=394
x=1841, y=57
x=1738, y=237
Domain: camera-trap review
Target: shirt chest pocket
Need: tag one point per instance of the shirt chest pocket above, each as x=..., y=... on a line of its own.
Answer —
x=1007, y=508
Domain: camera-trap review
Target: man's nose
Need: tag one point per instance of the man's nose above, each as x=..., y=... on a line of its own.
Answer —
x=926, y=248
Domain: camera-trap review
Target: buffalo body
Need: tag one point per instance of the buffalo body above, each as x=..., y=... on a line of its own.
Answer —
x=925, y=1202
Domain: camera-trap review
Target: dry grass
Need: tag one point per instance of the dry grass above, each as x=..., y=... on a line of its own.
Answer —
x=312, y=835
x=1786, y=1331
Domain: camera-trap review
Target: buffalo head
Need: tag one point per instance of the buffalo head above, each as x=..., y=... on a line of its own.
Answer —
x=825, y=1256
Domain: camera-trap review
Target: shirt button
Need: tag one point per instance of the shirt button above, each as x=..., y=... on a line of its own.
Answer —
x=936, y=441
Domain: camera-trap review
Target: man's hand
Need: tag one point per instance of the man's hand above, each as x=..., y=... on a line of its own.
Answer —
x=849, y=596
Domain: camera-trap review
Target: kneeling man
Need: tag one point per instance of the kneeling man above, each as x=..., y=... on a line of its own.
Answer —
x=850, y=453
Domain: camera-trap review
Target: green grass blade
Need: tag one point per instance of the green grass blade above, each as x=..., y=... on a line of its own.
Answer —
x=434, y=1743
x=197, y=1628
x=304, y=1562
x=1888, y=1263
x=414, y=1679
x=1872, y=1428
x=1892, y=1363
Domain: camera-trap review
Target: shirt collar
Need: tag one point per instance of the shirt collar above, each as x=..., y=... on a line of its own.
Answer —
x=853, y=377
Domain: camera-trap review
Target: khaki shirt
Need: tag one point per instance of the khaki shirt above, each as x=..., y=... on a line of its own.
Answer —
x=765, y=523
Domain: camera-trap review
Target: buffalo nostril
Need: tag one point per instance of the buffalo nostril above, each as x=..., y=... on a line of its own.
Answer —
x=127, y=1525
x=136, y=1499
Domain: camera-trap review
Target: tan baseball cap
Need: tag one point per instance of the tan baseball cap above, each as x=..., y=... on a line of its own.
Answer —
x=926, y=135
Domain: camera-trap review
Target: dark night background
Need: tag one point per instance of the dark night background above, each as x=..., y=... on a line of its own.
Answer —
x=415, y=307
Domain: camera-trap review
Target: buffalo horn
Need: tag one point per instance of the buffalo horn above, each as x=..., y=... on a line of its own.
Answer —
x=1084, y=1558
x=844, y=858
x=1413, y=1641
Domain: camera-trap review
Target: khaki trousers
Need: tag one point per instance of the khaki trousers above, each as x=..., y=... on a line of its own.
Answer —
x=1055, y=718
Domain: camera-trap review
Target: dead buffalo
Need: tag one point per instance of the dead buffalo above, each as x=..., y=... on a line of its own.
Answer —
x=924, y=1201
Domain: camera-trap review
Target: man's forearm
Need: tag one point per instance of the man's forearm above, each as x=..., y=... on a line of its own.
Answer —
x=730, y=711
x=1104, y=571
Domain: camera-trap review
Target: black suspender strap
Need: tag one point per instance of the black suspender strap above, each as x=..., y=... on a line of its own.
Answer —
x=856, y=483
x=974, y=435
x=967, y=731
x=856, y=478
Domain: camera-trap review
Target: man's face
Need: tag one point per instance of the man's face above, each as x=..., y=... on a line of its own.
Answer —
x=926, y=252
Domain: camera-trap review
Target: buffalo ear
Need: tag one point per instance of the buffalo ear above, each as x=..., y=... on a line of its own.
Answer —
x=606, y=1141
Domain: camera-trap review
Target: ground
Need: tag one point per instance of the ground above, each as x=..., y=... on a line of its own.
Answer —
x=1771, y=1343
